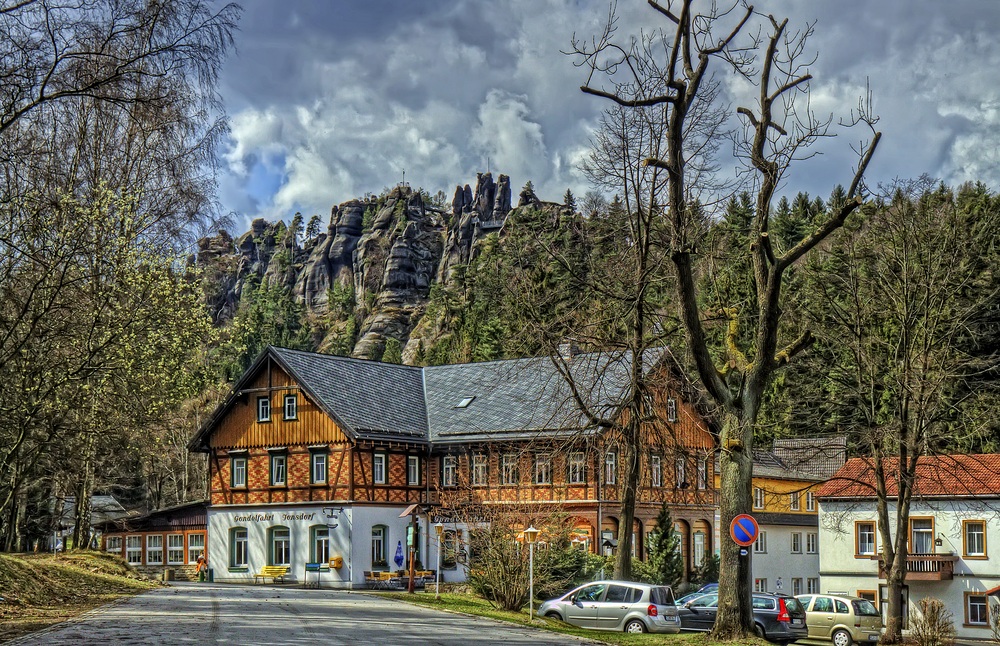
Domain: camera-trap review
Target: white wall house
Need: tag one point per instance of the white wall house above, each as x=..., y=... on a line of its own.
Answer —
x=953, y=537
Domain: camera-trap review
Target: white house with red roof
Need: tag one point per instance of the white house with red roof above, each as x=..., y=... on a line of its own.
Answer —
x=953, y=536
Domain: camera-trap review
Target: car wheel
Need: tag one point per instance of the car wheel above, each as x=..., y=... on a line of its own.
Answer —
x=635, y=626
x=842, y=638
x=759, y=631
x=552, y=614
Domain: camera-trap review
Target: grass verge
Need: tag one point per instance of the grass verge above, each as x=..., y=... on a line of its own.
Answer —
x=39, y=590
x=472, y=605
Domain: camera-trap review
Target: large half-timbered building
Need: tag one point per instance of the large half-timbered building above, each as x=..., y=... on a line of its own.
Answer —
x=322, y=459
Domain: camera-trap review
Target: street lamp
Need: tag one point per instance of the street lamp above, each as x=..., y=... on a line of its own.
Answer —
x=530, y=535
x=439, y=530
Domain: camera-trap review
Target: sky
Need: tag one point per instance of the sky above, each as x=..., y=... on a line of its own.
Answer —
x=329, y=100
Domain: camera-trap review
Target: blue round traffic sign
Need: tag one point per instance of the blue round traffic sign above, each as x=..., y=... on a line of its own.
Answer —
x=744, y=530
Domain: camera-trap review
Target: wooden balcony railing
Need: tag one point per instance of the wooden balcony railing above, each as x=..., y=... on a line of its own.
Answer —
x=925, y=567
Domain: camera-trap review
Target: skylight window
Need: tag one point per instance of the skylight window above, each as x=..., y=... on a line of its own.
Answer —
x=465, y=402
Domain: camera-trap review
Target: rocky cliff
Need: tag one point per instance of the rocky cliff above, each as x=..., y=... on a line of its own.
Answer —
x=365, y=283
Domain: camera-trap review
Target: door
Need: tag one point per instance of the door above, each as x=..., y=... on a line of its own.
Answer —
x=820, y=620
x=700, y=613
x=616, y=604
x=583, y=609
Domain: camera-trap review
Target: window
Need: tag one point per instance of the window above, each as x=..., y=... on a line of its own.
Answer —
x=656, y=471
x=703, y=473
x=974, y=538
x=812, y=586
x=810, y=501
x=793, y=501
x=317, y=470
x=263, y=409
x=320, y=552
x=976, y=609
x=449, y=549
x=610, y=467
x=921, y=535
x=379, y=538
x=291, y=407
x=796, y=587
x=699, y=548
x=812, y=543
x=480, y=473
x=133, y=549
x=760, y=585
x=175, y=549
x=758, y=498
x=154, y=549
x=508, y=469
x=196, y=547
x=238, y=547
x=868, y=595
x=671, y=409
x=378, y=468
x=864, y=533
x=413, y=470
x=823, y=604
x=279, y=463
x=577, y=471
x=543, y=469
x=760, y=545
x=113, y=544
x=796, y=542
x=280, y=544
x=449, y=471
x=679, y=476
x=238, y=471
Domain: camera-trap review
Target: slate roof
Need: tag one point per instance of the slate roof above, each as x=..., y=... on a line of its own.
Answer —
x=370, y=399
x=937, y=476
x=782, y=518
x=184, y=515
x=821, y=456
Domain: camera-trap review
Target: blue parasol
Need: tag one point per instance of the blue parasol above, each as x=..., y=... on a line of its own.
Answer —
x=399, y=554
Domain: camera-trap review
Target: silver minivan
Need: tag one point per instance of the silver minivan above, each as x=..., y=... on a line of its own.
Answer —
x=617, y=605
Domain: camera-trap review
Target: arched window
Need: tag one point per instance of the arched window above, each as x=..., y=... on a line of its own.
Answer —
x=279, y=542
x=238, y=552
x=319, y=541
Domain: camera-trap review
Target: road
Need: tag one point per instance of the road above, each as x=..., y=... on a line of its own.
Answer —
x=228, y=614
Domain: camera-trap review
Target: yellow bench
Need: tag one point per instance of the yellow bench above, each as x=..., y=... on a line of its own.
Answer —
x=273, y=572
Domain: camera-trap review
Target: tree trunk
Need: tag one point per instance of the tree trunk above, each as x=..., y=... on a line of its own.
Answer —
x=623, y=556
x=735, y=614
x=894, y=614
x=84, y=492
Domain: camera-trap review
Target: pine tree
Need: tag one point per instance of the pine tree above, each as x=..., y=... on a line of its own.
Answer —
x=665, y=551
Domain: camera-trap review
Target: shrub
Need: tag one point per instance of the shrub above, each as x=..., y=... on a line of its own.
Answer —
x=934, y=626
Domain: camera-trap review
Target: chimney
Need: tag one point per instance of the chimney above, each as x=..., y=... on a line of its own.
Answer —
x=568, y=350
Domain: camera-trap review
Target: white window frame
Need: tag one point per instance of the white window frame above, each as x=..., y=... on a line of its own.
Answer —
x=866, y=548
x=380, y=536
x=449, y=471
x=280, y=548
x=320, y=543
x=610, y=467
x=699, y=542
x=279, y=469
x=543, y=469
x=413, y=470
x=655, y=471
x=113, y=544
x=968, y=549
x=380, y=464
x=318, y=464
x=239, y=547
x=812, y=585
x=760, y=545
x=671, y=409
x=480, y=470
x=680, y=475
x=175, y=549
x=133, y=549
x=760, y=585
x=154, y=546
x=263, y=409
x=703, y=473
x=985, y=609
x=796, y=542
x=812, y=543
x=793, y=501
x=758, y=498
x=796, y=586
x=508, y=469
x=810, y=501
x=576, y=468
x=195, y=547
x=238, y=471
x=291, y=407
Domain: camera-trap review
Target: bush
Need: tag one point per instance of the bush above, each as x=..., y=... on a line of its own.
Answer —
x=934, y=626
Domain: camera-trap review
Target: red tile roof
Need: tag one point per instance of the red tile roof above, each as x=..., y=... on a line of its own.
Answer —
x=936, y=475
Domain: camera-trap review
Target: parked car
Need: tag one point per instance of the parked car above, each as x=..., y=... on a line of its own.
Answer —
x=777, y=618
x=709, y=587
x=689, y=597
x=843, y=620
x=617, y=605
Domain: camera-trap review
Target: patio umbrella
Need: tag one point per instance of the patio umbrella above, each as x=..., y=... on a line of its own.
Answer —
x=399, y=554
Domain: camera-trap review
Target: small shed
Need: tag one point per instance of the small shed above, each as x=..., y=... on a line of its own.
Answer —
x=168, y=539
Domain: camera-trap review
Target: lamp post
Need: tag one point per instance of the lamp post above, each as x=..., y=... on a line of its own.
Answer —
x=439, y=530
x=530, y=535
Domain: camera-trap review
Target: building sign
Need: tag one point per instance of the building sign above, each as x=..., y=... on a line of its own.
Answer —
x=269, y=518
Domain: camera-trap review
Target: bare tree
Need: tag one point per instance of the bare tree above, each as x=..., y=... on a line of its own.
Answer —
x=670, y=69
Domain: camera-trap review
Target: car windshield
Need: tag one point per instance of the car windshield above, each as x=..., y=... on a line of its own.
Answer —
x=793, y=605
x=864, y=608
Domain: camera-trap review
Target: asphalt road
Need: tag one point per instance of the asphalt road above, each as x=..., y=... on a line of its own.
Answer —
x=229, y=614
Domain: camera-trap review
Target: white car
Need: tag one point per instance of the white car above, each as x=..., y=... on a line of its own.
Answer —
x=617, y=605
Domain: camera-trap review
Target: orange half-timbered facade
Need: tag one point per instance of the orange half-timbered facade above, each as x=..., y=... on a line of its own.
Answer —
x=322, y=462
